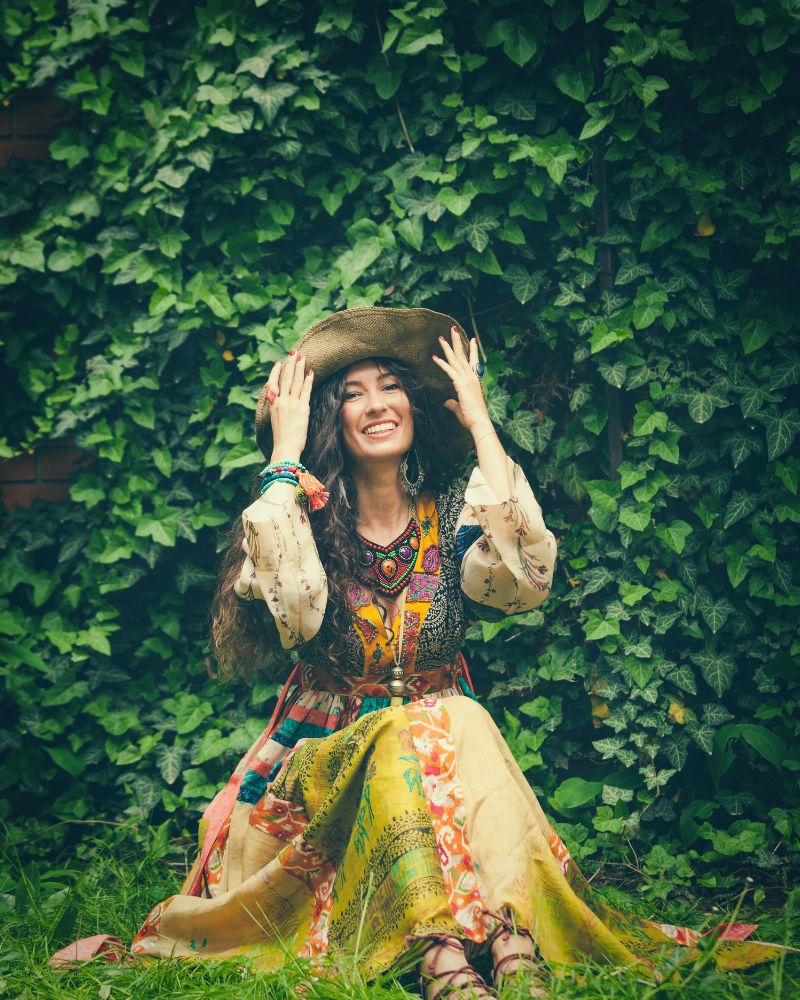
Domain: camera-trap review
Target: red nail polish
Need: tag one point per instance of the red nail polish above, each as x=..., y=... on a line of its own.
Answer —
x=454, y=329
x=291, y=353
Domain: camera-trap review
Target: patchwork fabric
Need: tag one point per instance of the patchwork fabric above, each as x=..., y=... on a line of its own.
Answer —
x=411, y=821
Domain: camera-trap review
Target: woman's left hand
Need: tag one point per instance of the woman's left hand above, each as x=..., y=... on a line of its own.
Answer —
x=470, y=407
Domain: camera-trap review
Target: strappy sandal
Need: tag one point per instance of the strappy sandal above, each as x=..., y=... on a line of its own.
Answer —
x=475, y=988
x=528, y=965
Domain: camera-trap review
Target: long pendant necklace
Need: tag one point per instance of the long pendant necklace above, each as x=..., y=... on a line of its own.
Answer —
x=387, y=570
x=397, y=684
x=397, y=647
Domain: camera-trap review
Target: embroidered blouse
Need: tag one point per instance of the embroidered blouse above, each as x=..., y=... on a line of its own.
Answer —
x=480, y=557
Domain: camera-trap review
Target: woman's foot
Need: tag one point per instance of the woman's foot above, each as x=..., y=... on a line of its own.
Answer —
x=445, y=973
x=514, y=955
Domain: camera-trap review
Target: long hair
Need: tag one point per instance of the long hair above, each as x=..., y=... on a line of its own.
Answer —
x=244, y=637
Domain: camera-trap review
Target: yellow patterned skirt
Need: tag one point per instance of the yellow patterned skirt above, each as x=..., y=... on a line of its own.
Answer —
x=411, y=821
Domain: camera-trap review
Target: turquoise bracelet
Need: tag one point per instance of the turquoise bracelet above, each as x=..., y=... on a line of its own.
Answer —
x=309, y=490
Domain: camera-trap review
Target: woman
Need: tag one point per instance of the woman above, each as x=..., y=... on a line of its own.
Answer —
x=381, y=805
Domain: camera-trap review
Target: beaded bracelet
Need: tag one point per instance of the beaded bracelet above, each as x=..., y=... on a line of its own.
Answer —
x=309, y=489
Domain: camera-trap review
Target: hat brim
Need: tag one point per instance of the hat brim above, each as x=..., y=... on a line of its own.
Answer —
x=410, y=335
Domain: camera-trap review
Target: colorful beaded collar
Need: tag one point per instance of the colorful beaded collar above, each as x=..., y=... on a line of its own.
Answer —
x=388, y=568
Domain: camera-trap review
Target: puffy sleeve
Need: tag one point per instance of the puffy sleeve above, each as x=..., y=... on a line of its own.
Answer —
x=281, y=565
x=506, y=553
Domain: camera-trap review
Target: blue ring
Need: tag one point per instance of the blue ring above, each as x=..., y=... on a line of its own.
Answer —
x=479, y=368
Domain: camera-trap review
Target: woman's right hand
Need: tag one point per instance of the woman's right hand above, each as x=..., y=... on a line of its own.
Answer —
x=289, y=413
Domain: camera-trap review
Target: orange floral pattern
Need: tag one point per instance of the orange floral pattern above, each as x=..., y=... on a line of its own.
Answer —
x=433, y=745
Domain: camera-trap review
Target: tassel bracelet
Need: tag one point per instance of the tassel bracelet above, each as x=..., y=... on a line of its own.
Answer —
x=309, y=489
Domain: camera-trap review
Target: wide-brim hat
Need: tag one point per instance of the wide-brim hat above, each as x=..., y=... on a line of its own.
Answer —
x=411, y=335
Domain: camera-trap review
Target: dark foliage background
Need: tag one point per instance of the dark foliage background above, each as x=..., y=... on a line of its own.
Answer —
x=607, y=193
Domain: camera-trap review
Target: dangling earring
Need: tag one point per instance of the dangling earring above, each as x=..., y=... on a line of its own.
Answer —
x=412, y=489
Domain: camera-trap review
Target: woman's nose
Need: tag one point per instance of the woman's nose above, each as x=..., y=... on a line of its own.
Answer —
x=376, y=403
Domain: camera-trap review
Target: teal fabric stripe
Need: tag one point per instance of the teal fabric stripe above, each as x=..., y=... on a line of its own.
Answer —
x=462, y=683
x=292, y=730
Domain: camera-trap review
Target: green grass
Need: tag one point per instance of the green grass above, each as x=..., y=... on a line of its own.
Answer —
x=108, y=892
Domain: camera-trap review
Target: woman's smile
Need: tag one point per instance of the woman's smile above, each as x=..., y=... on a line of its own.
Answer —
x=381, y=430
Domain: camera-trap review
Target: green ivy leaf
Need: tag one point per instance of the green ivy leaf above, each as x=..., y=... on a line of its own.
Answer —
x=633, y=593
x=575, y=792
x=386, y=78
x=518, y=40
x=270, y=99
x=592, y=9
x=594, y=126
x=740, y=505
x=703, y=735
x=596, y=627
x=640, y=670
x=701, y=407
x=523, y=285
x=782, y=428
x=648, y=419
x=717, y=668
x=576, y=80
x=674, y=535
x=170, y=762
x=520, y=430
x=614, y=373
x=755, y=333
x=738, y=566
x=659, y=232
x=683, y=678
x=68, y=761
x=636, y=517
x=29, y=253
x=476, y=231
x=416, y=38
x=174, y=177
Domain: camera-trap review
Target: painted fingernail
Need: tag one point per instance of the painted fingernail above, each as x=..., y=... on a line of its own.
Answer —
x=291, y=353
x=454, y=329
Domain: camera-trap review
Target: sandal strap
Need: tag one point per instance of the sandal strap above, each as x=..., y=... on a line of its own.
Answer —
x=507, y=927
x=447, y=978
x=497, y=968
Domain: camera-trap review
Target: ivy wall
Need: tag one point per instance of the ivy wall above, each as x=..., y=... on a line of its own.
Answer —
x=606, y=192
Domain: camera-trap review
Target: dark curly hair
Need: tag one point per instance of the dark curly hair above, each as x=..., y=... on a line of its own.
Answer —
x=244, y=638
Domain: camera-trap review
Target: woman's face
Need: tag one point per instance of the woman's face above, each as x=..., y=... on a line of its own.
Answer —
x=377, y=422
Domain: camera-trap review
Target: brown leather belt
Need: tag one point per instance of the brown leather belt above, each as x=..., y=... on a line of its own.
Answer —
x=413, y=685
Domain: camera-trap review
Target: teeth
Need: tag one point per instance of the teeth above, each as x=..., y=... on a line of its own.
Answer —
x=377, y=428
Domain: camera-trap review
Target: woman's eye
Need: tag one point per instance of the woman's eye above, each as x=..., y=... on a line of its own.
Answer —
x=392, y=385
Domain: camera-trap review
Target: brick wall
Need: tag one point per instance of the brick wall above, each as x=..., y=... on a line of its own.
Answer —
x=28, y=122
x=44, y=474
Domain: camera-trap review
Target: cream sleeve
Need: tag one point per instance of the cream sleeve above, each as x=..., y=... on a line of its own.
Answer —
x=506, y=552
x=281, y=565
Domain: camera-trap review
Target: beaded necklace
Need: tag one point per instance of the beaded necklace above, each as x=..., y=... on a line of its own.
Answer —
x=388, y=568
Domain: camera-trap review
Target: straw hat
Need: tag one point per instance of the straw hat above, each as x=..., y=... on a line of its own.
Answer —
x=411, y=335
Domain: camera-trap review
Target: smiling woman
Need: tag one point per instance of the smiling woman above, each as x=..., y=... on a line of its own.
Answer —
x=376, y=417
x=381, y=807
